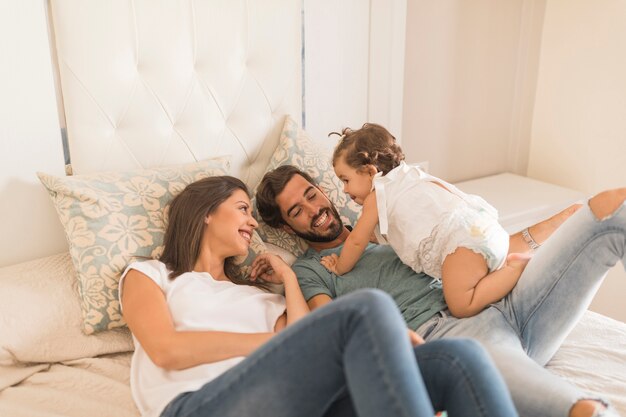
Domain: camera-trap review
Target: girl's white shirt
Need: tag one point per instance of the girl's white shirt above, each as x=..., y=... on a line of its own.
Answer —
x=424, y=222
x=197, y=302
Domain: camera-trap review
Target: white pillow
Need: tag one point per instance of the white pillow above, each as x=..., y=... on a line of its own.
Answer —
x=110, y=219
x=40, y=315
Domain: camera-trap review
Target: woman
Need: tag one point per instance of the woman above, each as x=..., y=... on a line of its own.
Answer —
x=208, y=342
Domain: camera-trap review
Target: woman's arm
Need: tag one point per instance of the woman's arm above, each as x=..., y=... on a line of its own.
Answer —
x=357, y=241
x=147, y=314
x=273, y=269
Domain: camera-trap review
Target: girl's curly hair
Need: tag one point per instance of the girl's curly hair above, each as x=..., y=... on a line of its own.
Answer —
x=372, y=144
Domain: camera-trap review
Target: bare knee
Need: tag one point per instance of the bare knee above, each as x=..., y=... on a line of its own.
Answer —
x=605, y=203
x=587, y=408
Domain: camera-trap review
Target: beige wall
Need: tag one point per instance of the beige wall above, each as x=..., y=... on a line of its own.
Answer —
x=534, y=87
x=29, y=135
x=469, y=84
x=579, y=126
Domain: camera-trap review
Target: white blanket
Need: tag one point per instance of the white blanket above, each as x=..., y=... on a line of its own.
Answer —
x=49, y=368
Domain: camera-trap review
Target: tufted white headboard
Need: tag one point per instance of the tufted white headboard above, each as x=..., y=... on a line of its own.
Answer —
x=147, y=83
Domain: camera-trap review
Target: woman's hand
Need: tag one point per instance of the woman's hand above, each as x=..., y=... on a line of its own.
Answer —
x=330, y=262
x=270, y=268
x=273, y=269
x=415, y=338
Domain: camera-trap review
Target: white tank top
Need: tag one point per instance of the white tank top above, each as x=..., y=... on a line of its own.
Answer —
x=197, y=302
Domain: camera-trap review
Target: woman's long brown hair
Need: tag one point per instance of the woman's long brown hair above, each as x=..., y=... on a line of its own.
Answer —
x=183, y=235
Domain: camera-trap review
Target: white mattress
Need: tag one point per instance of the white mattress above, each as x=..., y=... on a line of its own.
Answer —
x=521, y=201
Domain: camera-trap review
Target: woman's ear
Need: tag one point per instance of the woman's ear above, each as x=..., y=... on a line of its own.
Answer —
x=207, y=219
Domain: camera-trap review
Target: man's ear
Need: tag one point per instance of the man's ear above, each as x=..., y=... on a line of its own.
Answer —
x=287, y=229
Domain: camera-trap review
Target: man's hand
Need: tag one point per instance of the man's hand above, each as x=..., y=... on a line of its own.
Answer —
x=415, y=338
x=330, y=262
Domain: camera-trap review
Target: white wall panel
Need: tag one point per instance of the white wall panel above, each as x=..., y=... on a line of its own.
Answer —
x=354, y=64
x=386, y=64
x=336, y=65
x=29, y=135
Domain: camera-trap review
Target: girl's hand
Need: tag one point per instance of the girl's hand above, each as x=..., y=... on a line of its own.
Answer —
x=330, y=262
x=270, y=268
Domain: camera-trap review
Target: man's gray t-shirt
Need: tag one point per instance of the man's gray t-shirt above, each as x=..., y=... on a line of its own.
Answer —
x=379, y=267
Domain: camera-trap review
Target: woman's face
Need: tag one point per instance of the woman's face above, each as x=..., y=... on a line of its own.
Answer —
x=229, y=228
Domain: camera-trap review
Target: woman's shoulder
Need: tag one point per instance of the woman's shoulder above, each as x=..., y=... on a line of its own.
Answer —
x=152, y=268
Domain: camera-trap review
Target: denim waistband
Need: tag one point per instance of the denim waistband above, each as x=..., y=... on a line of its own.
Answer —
x=427, y=327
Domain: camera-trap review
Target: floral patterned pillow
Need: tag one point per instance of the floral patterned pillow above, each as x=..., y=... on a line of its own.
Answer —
x=113, y=218
x=296, y=148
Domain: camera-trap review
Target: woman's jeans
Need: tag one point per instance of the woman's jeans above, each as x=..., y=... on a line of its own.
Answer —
x=524, y=330
x=352, y=357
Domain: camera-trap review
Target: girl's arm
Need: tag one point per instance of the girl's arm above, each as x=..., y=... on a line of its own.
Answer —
x=357, y=241
x=147, y=314
x=272, y=268
x=468, y=287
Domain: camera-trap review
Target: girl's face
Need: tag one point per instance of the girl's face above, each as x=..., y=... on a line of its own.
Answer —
x=229, y=228
x=356, y=183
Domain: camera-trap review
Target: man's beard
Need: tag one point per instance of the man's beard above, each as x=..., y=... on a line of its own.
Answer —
x=333, y=232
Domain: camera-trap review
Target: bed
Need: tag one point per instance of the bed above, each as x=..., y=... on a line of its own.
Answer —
x=155, y=95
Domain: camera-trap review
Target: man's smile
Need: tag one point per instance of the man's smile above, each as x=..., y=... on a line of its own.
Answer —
x=321, y=219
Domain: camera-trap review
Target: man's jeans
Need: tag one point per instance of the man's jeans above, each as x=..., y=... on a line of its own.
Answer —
x=524, y=330
x=352, y=357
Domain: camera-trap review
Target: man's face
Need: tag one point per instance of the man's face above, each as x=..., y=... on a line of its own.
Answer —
x=307, y=211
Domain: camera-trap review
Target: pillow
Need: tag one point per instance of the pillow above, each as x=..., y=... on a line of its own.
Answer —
x=111, y=219
x=40, y=318
x=296, y=148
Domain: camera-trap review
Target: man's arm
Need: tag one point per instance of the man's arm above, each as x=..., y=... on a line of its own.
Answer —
x=318, y=301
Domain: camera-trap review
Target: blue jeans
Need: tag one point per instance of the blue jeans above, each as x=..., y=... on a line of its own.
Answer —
x=524, y=330
x=352, y=357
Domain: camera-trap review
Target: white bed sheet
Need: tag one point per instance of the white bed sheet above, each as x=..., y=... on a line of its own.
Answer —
x=89, y=387
x=592, y=357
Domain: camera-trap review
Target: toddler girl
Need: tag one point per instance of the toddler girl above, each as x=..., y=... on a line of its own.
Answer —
x=433, y=226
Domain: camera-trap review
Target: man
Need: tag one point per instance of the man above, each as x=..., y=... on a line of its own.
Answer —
x=521, y=332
